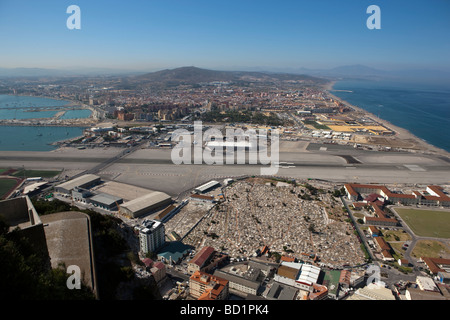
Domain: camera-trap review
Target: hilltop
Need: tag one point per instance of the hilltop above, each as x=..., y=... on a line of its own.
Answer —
x=194, y=75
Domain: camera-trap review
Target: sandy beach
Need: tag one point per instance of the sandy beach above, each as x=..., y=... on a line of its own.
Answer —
x=417, y=144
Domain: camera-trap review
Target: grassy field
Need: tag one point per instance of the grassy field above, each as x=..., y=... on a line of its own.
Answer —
x=6, y=185
x=427, y=223
x=396, y=235
x=36, y=173
x=429, y=248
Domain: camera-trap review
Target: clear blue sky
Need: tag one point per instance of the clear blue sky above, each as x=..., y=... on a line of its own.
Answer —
x=151, y=34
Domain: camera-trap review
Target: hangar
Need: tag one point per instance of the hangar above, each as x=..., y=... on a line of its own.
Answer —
x=106, y=201
x=145, y=204
x=86, y=181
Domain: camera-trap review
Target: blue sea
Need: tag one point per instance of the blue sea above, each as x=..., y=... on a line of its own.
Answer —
x=422, y=109
x=22, y=138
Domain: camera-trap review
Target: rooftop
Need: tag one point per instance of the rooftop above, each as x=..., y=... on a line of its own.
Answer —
x=202, y=256
x=106, y=199
x=79, y=182
x=436, y=264
x=145, y=201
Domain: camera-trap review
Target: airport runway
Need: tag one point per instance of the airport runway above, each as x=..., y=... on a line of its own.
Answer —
x=154, y=169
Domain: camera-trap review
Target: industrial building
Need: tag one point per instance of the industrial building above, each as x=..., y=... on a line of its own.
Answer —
x=170, y=211
x=86, y=181
x=207, y=187
x=106, y=201
x=298, y=275
x=202, y=198
x=145, y=204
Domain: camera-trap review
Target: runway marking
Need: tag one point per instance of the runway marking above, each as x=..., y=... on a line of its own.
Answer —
x=160, y=174
x=414, y=167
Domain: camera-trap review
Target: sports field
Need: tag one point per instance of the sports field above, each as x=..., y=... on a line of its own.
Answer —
x=36, y=173
x=6, y=186
x=427, y=223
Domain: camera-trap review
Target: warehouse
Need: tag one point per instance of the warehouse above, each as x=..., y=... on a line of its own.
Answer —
x=86, y=181
x=145, y=204
x=106, y=201
x=207, y=186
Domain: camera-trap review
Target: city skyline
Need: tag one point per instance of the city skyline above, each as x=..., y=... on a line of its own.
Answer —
x=154, y=35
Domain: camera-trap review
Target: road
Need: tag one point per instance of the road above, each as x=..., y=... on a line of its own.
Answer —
x=414, y=239
x=360, y=233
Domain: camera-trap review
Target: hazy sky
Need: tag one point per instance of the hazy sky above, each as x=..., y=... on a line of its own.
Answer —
x=151, y=34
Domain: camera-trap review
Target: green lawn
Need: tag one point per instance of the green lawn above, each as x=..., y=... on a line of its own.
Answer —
x=427, y=223
x=6, y=185
x=36, y=173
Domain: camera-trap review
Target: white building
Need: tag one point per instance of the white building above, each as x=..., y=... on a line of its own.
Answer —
x=152, y=236
x=372, y=291
x=426, y=284
x=298, y=275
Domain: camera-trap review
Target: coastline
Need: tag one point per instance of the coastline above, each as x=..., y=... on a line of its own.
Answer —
x=400, y=133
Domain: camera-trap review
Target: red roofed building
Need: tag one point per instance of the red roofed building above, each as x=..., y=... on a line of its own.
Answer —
x=200, y=260
x=287, y=259
x=148, y=262
x=205, y=260
x=387, y=255
x=158, y=271
x=203, y=286
x=435, y=195
x=436, y=265
x=382, y=244
x=380, y=221
x=319, y=292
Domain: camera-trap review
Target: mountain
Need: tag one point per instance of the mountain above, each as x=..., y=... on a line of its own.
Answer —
x=357, y=70
x=187, y=75
x=194, y=75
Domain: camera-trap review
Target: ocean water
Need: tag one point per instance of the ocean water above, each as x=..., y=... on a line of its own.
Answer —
x=8, y=114
x=77, y=114
x=17, y=107
x=22, y=138
x=10, y=101
x=424, y=110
